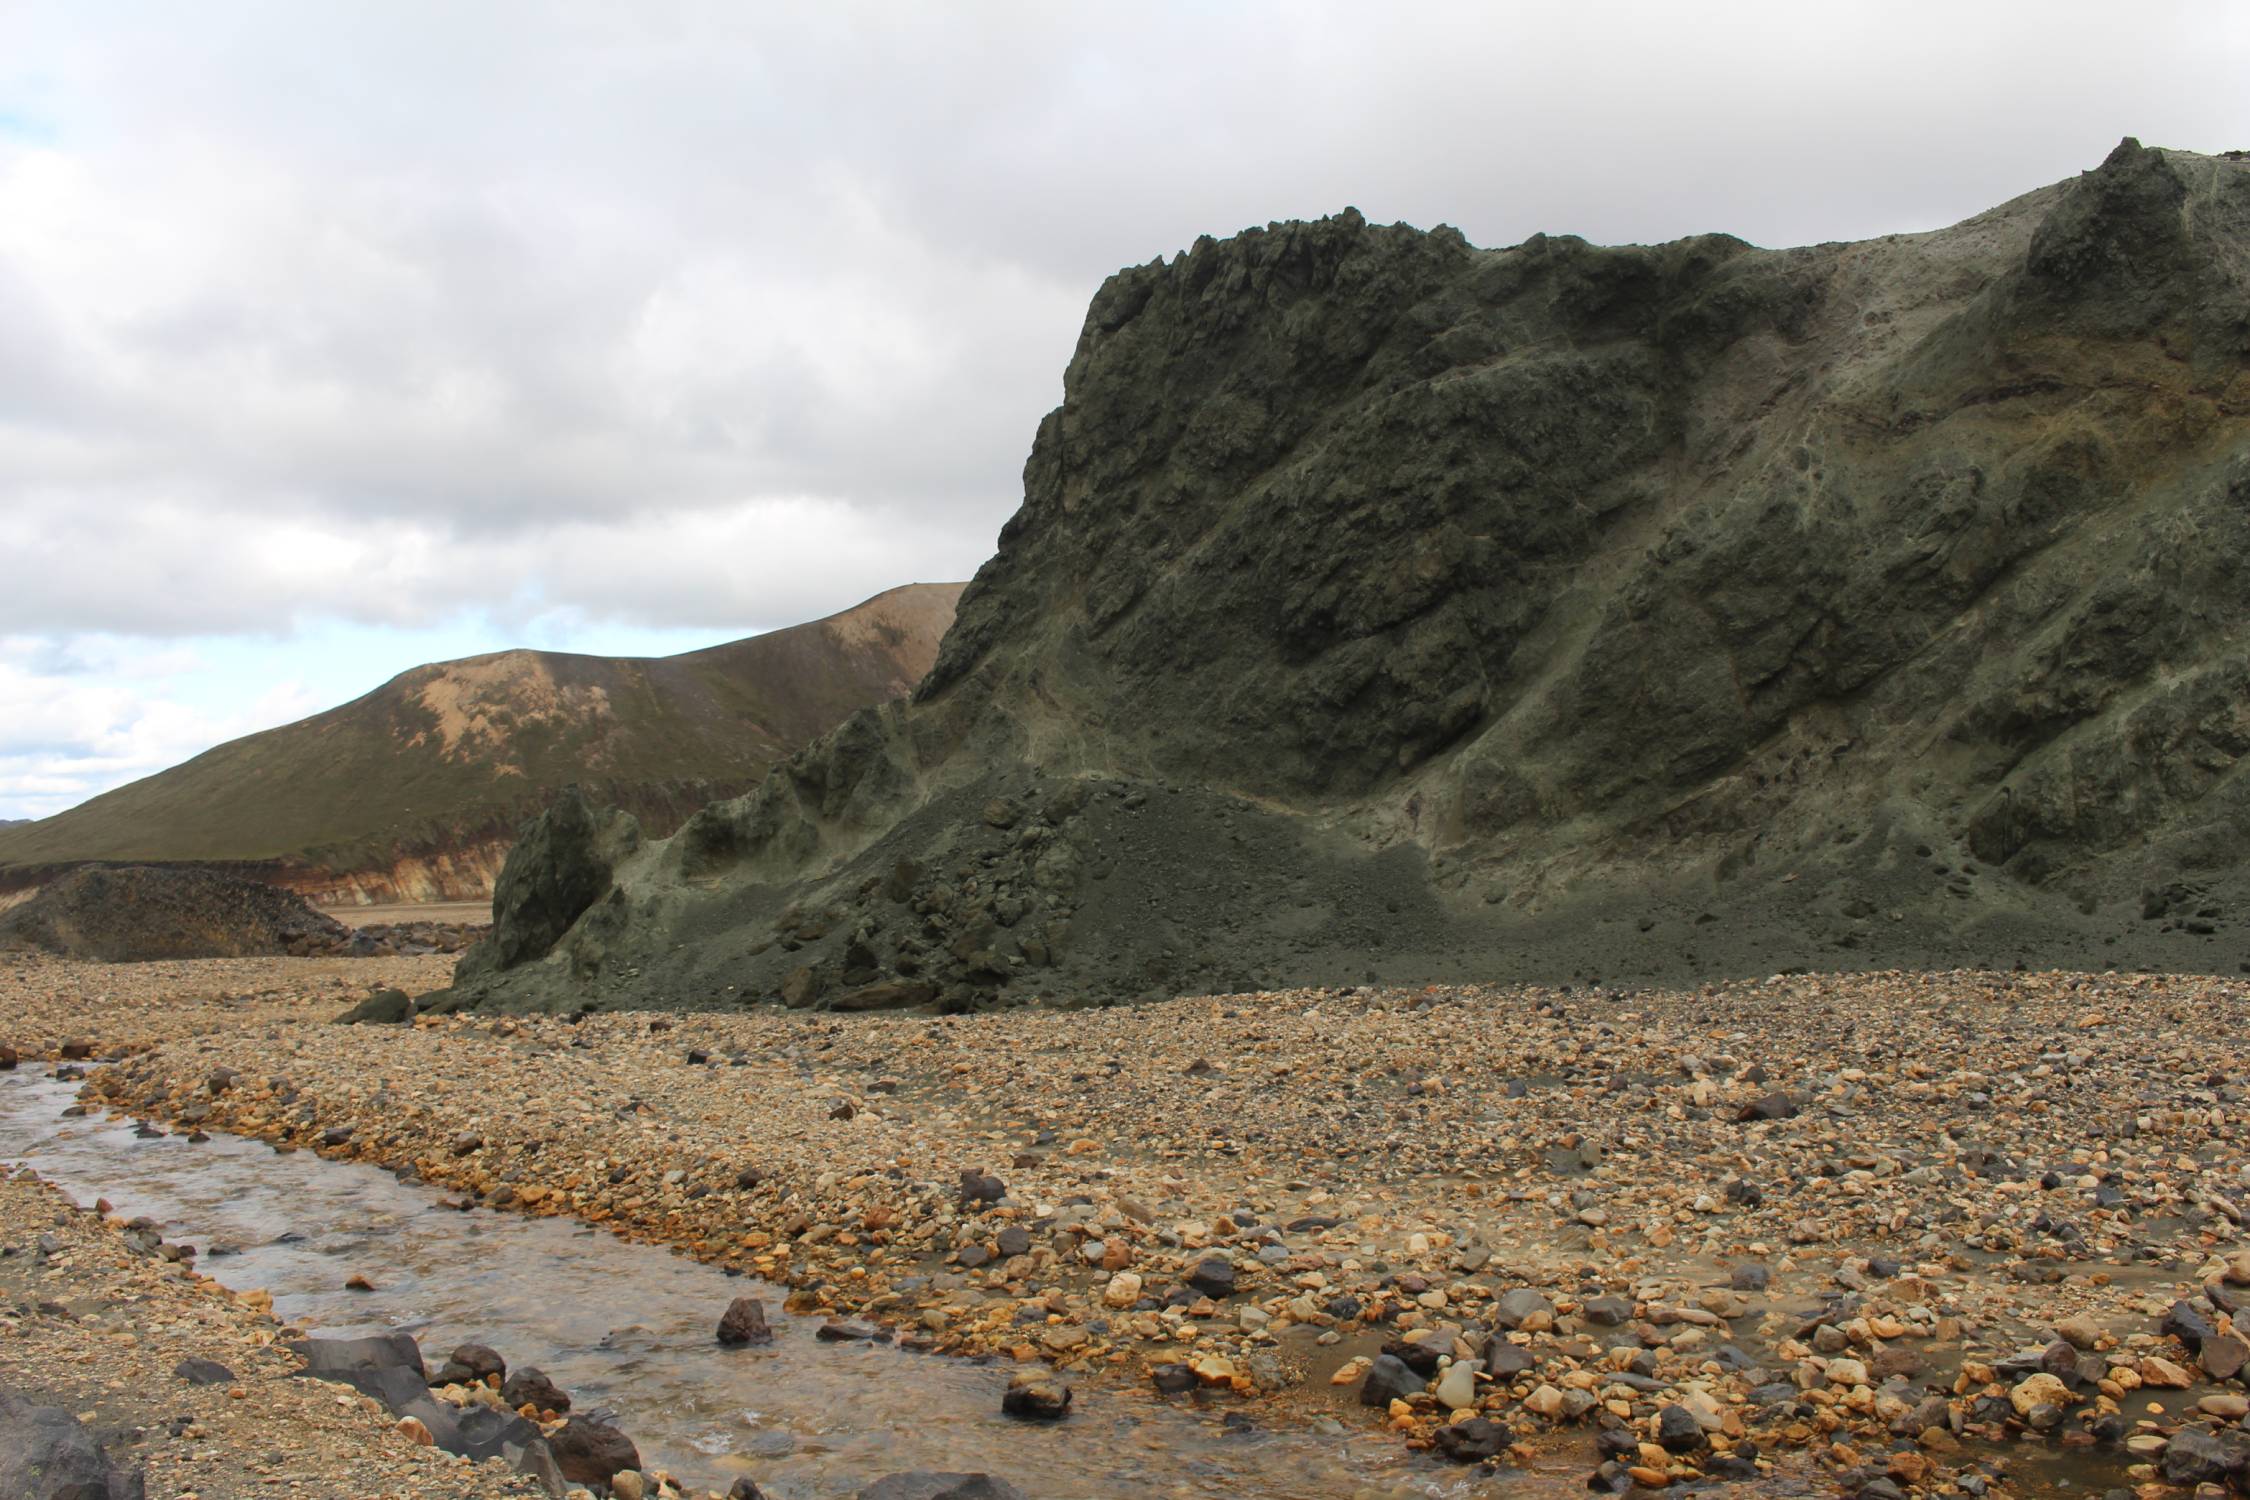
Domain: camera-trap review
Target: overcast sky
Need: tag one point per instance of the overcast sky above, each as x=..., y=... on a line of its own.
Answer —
x=335, y=338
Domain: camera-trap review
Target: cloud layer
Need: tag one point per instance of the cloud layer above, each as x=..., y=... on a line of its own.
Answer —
x=715, y=317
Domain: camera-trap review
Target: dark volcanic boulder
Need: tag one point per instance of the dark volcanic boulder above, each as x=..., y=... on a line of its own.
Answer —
x=1497, y=593
x=46, y=1455
x=198, y=1371
x=362, y=1363
x=386, y=1007
x=529, y=1386
x=744, y=1322
x=560, y=865
x=590, y=1452
x=468, y=1364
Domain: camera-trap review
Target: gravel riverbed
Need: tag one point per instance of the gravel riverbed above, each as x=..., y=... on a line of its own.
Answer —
x=1884, y=1233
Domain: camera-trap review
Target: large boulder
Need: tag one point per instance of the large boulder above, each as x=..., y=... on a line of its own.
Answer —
x=591, y=1452
x=46, y=1455
x=386, y=1007
x=363, y=1363
x=561, y=863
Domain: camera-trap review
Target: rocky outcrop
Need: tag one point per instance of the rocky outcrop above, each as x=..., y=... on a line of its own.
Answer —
x=46, y=1455
x=570, y=853
x=1380, y=604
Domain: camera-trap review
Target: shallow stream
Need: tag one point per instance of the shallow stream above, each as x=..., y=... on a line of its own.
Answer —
x=630, y=1327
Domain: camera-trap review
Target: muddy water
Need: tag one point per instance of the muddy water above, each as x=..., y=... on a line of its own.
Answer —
x=630, y=1326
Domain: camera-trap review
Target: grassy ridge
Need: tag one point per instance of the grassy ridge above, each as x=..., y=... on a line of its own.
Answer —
x=445, y=755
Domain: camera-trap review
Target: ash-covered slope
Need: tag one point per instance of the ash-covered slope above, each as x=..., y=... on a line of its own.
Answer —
x=414, y=792
x=1382, y=604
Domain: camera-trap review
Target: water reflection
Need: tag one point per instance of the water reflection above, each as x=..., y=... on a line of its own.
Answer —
x=630, y=1327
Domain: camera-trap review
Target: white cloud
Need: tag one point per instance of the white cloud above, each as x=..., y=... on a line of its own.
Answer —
x=72, y=727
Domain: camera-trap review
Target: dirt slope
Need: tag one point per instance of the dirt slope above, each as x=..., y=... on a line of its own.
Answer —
x=414, y=792
x=1383, y=604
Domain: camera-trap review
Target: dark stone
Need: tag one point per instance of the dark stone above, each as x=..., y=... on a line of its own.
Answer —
x=1517, y=1307
x=1013, y=1240
x=1678, y=1431
x=482, y=1432
x=1771, y=1107
x=1036, y=1395
x=1173, y=1380
x=1606, y=1312
x=743, y=1489
x=981, y=1187
x=529, y=1386
x=1422, y=1359
x=46, y=1455
x=744, y=1322
x=1503, y=1359
x=1213, y=1277
x=1388, y=1379
x=350, y=1361
x=1611, y=1478
x=2189, y=1324
x=1473, y=1441
x=2196, y=1457
x=846, y=1333
x=2223, y=1356
x=1751, y=1278
x=886, y=994
x=923, y=1484
x=470, y=1364
x=203, y=1372
x=590, y=1452
x=560, y=865
x=386, y=1007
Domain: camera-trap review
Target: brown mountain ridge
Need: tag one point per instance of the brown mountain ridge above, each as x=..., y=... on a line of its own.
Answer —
x=414, y=791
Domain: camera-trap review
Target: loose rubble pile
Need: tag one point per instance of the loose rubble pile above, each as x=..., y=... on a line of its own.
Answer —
x=1881, y=1226
x=133, y=913
x=412, y=939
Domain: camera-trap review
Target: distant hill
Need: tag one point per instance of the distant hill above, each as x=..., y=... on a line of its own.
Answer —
x=414, y=792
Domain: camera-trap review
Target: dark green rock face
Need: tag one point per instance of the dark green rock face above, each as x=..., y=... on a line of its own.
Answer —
x=564, y=860
x=1379, y=604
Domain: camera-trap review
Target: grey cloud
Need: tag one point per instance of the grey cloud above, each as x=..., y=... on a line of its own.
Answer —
x=557, y=307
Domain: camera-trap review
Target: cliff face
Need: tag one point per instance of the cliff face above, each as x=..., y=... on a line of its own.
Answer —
x=415, y=792
x=1381, y=601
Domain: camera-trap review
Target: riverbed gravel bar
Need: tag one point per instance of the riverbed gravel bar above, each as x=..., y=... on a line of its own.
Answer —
x=180, y=1379
x=1890, y=1233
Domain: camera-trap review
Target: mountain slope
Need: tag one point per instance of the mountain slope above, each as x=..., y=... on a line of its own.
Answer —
x=414, y=791
x=1380, y=604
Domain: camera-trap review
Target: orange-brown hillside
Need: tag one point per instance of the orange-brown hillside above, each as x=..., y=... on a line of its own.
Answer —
x=413, y=792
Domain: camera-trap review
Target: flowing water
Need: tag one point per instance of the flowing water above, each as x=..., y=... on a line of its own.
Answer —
x=630, y=1327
